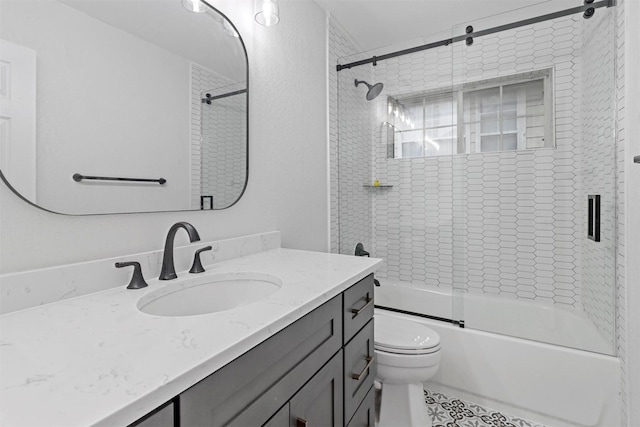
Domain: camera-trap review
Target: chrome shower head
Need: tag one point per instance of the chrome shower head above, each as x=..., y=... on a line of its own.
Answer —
x=374, y=90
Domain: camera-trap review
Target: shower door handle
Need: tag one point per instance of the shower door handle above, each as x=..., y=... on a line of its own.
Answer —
x=593, y=217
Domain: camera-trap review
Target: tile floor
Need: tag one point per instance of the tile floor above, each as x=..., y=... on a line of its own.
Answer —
x=447, y=411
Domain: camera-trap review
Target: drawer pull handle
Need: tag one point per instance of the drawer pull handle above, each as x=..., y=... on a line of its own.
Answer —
x=357, y=311
x=301, y=423
x=366, y=368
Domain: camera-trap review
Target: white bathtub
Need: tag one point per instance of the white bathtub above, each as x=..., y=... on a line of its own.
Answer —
x=549, y=384
x=558, y=325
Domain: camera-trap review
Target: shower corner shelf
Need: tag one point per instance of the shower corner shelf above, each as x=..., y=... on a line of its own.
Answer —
x=377, y=186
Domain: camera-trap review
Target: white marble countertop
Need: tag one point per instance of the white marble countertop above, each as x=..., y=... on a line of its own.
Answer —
x=98, y=360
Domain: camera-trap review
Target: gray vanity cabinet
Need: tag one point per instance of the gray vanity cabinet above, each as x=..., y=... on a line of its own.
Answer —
x=316, y=372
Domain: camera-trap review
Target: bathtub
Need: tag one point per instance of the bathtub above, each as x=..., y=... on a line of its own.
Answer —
x=550, y=384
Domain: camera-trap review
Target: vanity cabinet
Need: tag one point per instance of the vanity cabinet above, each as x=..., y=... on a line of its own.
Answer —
x=318, y=371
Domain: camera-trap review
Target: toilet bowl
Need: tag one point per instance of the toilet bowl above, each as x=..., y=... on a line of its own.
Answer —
x=408, y=354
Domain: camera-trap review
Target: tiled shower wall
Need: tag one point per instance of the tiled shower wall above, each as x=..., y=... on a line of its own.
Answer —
x=598, y=168
x=218, y=140
x=518, y=213
x=350, y=150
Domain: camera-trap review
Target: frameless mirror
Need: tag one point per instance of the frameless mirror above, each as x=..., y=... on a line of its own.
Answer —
x=115, y=106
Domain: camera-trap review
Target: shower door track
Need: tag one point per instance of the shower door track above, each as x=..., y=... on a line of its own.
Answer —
x=460, y=323
x=588, y=9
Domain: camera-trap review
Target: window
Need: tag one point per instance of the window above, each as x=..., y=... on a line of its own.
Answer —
x=424, y=125
x=509, y=113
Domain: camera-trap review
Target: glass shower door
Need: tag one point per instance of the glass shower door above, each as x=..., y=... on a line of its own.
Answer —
x=394, y=175
x=534, y=191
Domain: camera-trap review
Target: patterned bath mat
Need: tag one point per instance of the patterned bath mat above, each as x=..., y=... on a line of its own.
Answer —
x=448, y=411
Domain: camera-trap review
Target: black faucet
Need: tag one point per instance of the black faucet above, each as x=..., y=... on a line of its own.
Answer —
x=168, y=271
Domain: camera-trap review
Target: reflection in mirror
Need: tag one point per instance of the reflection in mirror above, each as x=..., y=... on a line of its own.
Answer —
x=140, y=89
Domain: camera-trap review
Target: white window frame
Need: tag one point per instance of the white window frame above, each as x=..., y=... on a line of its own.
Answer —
x=464, y=140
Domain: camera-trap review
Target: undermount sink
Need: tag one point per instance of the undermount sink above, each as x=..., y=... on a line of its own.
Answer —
x=209, y=294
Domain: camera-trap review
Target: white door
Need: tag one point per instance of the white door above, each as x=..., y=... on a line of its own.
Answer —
x=18, y=117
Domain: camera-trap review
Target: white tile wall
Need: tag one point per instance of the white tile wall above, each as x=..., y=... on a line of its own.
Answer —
x=218, y=140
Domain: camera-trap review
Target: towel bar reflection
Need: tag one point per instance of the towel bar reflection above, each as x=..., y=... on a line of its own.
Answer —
x=78, y=177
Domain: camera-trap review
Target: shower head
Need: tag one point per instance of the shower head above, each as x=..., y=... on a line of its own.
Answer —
x=374, y=90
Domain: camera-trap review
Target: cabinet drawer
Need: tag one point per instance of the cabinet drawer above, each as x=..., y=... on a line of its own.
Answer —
x=365, y=415
x=357, y=306
x=359, y=369
x=258, y=383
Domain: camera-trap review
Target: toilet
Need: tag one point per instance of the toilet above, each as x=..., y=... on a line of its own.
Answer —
x=408, y=354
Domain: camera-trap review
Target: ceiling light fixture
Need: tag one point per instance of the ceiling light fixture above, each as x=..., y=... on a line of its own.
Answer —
x=266, y=12
x=194, y=6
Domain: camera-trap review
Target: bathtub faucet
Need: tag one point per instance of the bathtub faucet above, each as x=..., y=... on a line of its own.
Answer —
x=360, y=250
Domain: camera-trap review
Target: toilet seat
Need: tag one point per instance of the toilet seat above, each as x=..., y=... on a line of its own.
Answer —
x=401, y=351
x=401, y=336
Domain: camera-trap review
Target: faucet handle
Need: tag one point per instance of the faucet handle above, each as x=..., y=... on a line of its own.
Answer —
x=197, y=264
x=137, y=280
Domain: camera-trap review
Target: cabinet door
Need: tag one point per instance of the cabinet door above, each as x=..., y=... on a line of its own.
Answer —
x=319, y=402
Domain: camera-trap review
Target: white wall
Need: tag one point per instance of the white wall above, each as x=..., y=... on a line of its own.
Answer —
x=288, y=182
x=84, y=123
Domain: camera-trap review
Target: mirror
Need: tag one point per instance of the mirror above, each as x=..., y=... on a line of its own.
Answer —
x=139, y=89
